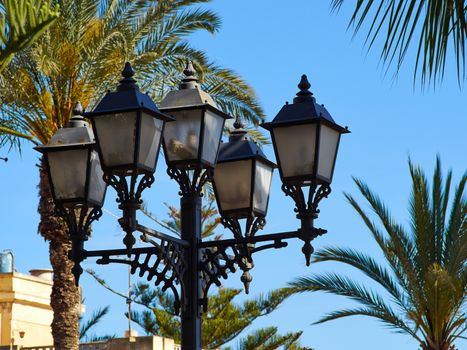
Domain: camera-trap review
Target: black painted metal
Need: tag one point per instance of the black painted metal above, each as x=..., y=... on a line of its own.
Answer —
x=129, y=199
x=307, y=211
x=191, y=279
x=79, y=222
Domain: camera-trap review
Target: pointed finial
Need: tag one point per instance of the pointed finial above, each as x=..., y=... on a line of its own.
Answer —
x=239, y=133
x=189, y=69
x=238, y=124
x=77, y=119
x=127, y=83
x=191, y=80
x=246, y=280
x=304, y=95
x=78, y=110
x=307, y=250
x=128, y=71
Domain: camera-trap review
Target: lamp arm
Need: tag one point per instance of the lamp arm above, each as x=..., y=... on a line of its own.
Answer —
x=163, y=260
x=223, y=256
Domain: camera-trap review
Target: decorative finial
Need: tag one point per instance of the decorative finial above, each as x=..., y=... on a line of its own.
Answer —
x=189, y=69
x=238, y=134
x=191, y=80
x=127, y=83
x=304, y=95
x=77, y=120
x=246, y=279
x=238, y=124
x=78, y=110
x=128, y=71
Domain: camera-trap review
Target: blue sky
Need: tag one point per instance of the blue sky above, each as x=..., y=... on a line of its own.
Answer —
x=271, y=43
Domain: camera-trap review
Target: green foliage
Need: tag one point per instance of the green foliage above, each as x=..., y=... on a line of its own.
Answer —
x=82, y=54
x=86, y=327
x=224, y=321
x=425, y=275
x=435, y=26
x=21, y=23
x=267, y=339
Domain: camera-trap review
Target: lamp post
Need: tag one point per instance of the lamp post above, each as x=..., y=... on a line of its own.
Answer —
x=129, y=128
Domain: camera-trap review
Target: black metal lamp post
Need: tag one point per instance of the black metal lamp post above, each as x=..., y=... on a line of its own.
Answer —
x=128, y=128
x=242, y=182
x=306, y=140
x=75, y=177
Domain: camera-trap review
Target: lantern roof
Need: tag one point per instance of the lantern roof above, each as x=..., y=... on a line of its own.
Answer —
x=240, y=148
x=189, y=94
x=304, y=109
x=77, y=133
x=127, y=98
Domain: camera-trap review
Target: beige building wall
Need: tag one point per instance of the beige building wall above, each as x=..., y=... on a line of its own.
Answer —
x=25, y=307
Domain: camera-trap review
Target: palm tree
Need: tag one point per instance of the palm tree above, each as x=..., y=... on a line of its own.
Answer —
x=436, y=27
x=425, y=271
x=77, y=59
x=21, y=23
x=88, y=325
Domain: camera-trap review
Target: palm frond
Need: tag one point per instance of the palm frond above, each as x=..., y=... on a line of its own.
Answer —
x=95, y=318
x=434, y=27
x=368, y=266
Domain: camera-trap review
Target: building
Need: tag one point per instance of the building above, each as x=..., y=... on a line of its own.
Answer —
x=25, y=312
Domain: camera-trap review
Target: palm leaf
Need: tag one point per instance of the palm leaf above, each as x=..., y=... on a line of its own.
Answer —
x=440, y=27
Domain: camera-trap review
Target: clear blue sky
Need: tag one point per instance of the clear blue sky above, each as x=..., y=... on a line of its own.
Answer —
x=271, y=43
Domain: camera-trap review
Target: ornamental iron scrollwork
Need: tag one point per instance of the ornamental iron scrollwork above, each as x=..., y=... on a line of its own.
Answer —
x=307, y=212
x=129, y=198
x=316, y=193
x=218, y=261
x=191, y=180
x=79, y=222
x=252, y=226
x=221, y=257
x=164, y=261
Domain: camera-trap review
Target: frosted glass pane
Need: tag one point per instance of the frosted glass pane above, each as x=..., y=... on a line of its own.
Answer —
x=262, y=186
x=296, y=148
x=116, y=134
x=212, y=133
x=181, y=137
x=151, y=129
x=97, y=185
x=233, y=184
x=68, y=172
x=327, y=151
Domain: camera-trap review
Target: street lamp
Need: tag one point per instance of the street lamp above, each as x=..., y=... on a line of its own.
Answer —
x=242, y=182
x=128, y=127
x=306, y=140
x=192, y=140
x=75, y=177
x=193, y=150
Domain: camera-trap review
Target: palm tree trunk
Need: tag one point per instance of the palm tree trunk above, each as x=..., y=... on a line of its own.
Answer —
x=65, y=297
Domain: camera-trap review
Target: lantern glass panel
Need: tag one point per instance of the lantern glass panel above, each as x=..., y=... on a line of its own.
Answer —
x=263, y=179
x=150, y=138
x=181, y=137
x=116, y=135
x=295, y=146
x=329, y=139
x=68, y=173
x=213, y=125
x=233, y=184
x=97, y=185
